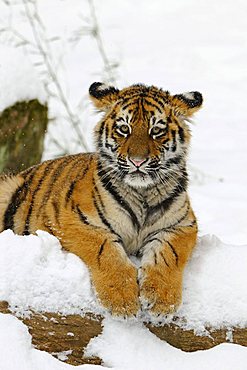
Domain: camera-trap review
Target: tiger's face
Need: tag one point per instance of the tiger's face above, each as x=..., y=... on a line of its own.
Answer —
x=144, y=133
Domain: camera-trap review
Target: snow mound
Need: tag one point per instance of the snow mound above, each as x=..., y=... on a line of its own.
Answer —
x=35, y=273
x=214, y=292
x=18, y=78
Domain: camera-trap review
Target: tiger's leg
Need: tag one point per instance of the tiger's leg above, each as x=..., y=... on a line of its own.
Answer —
x=113, y=275
x=161, y=272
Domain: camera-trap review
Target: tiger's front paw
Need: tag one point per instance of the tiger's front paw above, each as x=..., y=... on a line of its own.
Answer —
x=160, y=291
x=118, y=290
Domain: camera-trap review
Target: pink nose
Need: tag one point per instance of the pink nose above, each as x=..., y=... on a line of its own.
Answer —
x=137, y=162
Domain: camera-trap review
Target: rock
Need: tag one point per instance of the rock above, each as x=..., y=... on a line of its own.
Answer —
x=22, y=131
x=55, y=333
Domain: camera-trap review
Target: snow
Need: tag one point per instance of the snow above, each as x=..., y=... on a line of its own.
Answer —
x=19, y=80
x=137, y=349
x=17, y=352
x=180, y=46
x=35, y=273
x=214, y=286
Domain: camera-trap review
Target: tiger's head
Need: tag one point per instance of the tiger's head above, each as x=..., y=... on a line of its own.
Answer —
x=144, y=132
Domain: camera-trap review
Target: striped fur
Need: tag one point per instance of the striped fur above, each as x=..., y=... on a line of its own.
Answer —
x=129, y=197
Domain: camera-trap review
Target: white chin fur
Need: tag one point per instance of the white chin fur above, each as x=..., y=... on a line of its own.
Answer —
x=138, y=181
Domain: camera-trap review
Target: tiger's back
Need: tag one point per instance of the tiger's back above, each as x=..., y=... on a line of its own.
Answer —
x=129, y=197
x=34, y=198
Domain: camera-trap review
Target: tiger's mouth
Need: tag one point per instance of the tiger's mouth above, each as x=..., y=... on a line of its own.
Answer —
x=137, y=172
x=138, y=178
x=138, y=175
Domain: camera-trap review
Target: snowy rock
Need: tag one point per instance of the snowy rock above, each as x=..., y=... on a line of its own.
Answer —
x=35, y=273
x=19, y=80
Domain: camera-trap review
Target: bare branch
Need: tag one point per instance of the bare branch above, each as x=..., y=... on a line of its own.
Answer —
x=34, y=19
x=97, y=35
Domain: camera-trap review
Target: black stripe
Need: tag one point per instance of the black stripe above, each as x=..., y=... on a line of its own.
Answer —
x=98, y=195
x=168, y=228
x=102, y=126
x=106, y=156
x=56, y=210
x=106, y=182
x=82, y=217
x=164, y=142
x=161, y=122
x=133, y=102
x=70, y=191
x=30, y=210
x=133, y=96
x=193, y=223
x=175, y=160
x=30, y=175
x=173, y=251
x=54, y=177
x=101, y=250
x=103, y=219
x=17, y=198
x=162, y=255
x=119, y=119
x=106, y=135
x=165, y=205
x=147, y=102
x=174, y=144
x=149, y=241
x=159, y=101
x=112, y=147
x=78, y=178
x=143, y=108
x=179, y=220
x=181, y=134
x=155, y=258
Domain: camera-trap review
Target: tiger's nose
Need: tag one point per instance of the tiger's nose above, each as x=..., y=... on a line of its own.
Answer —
x=138, y=161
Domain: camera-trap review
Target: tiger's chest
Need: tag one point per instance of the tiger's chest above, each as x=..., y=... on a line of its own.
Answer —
x=133, y=219
x=126, y=221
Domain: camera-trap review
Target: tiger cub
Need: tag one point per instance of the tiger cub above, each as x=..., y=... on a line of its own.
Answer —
x=127, y=198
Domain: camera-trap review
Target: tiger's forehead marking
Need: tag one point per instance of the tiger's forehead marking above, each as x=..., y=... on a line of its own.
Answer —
x=143, y=110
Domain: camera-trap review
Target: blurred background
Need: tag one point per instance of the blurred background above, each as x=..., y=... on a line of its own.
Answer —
x=52, y=50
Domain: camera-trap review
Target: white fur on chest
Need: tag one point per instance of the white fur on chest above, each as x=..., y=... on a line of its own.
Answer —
x=132, y=236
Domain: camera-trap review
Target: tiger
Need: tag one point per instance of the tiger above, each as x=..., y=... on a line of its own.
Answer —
x=128, y=198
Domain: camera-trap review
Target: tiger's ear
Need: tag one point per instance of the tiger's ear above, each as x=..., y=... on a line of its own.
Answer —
x=187, y=103
x=102, y=95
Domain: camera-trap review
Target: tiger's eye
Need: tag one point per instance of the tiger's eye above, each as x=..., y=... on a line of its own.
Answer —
x=156, y=130
x=124, y=129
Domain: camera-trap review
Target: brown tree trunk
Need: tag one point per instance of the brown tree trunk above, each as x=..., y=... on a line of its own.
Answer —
x=71, y=334
x=22, y=130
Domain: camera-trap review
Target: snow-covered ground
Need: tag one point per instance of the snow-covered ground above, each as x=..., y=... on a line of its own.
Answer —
x=180, y=46
x=36, y=274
